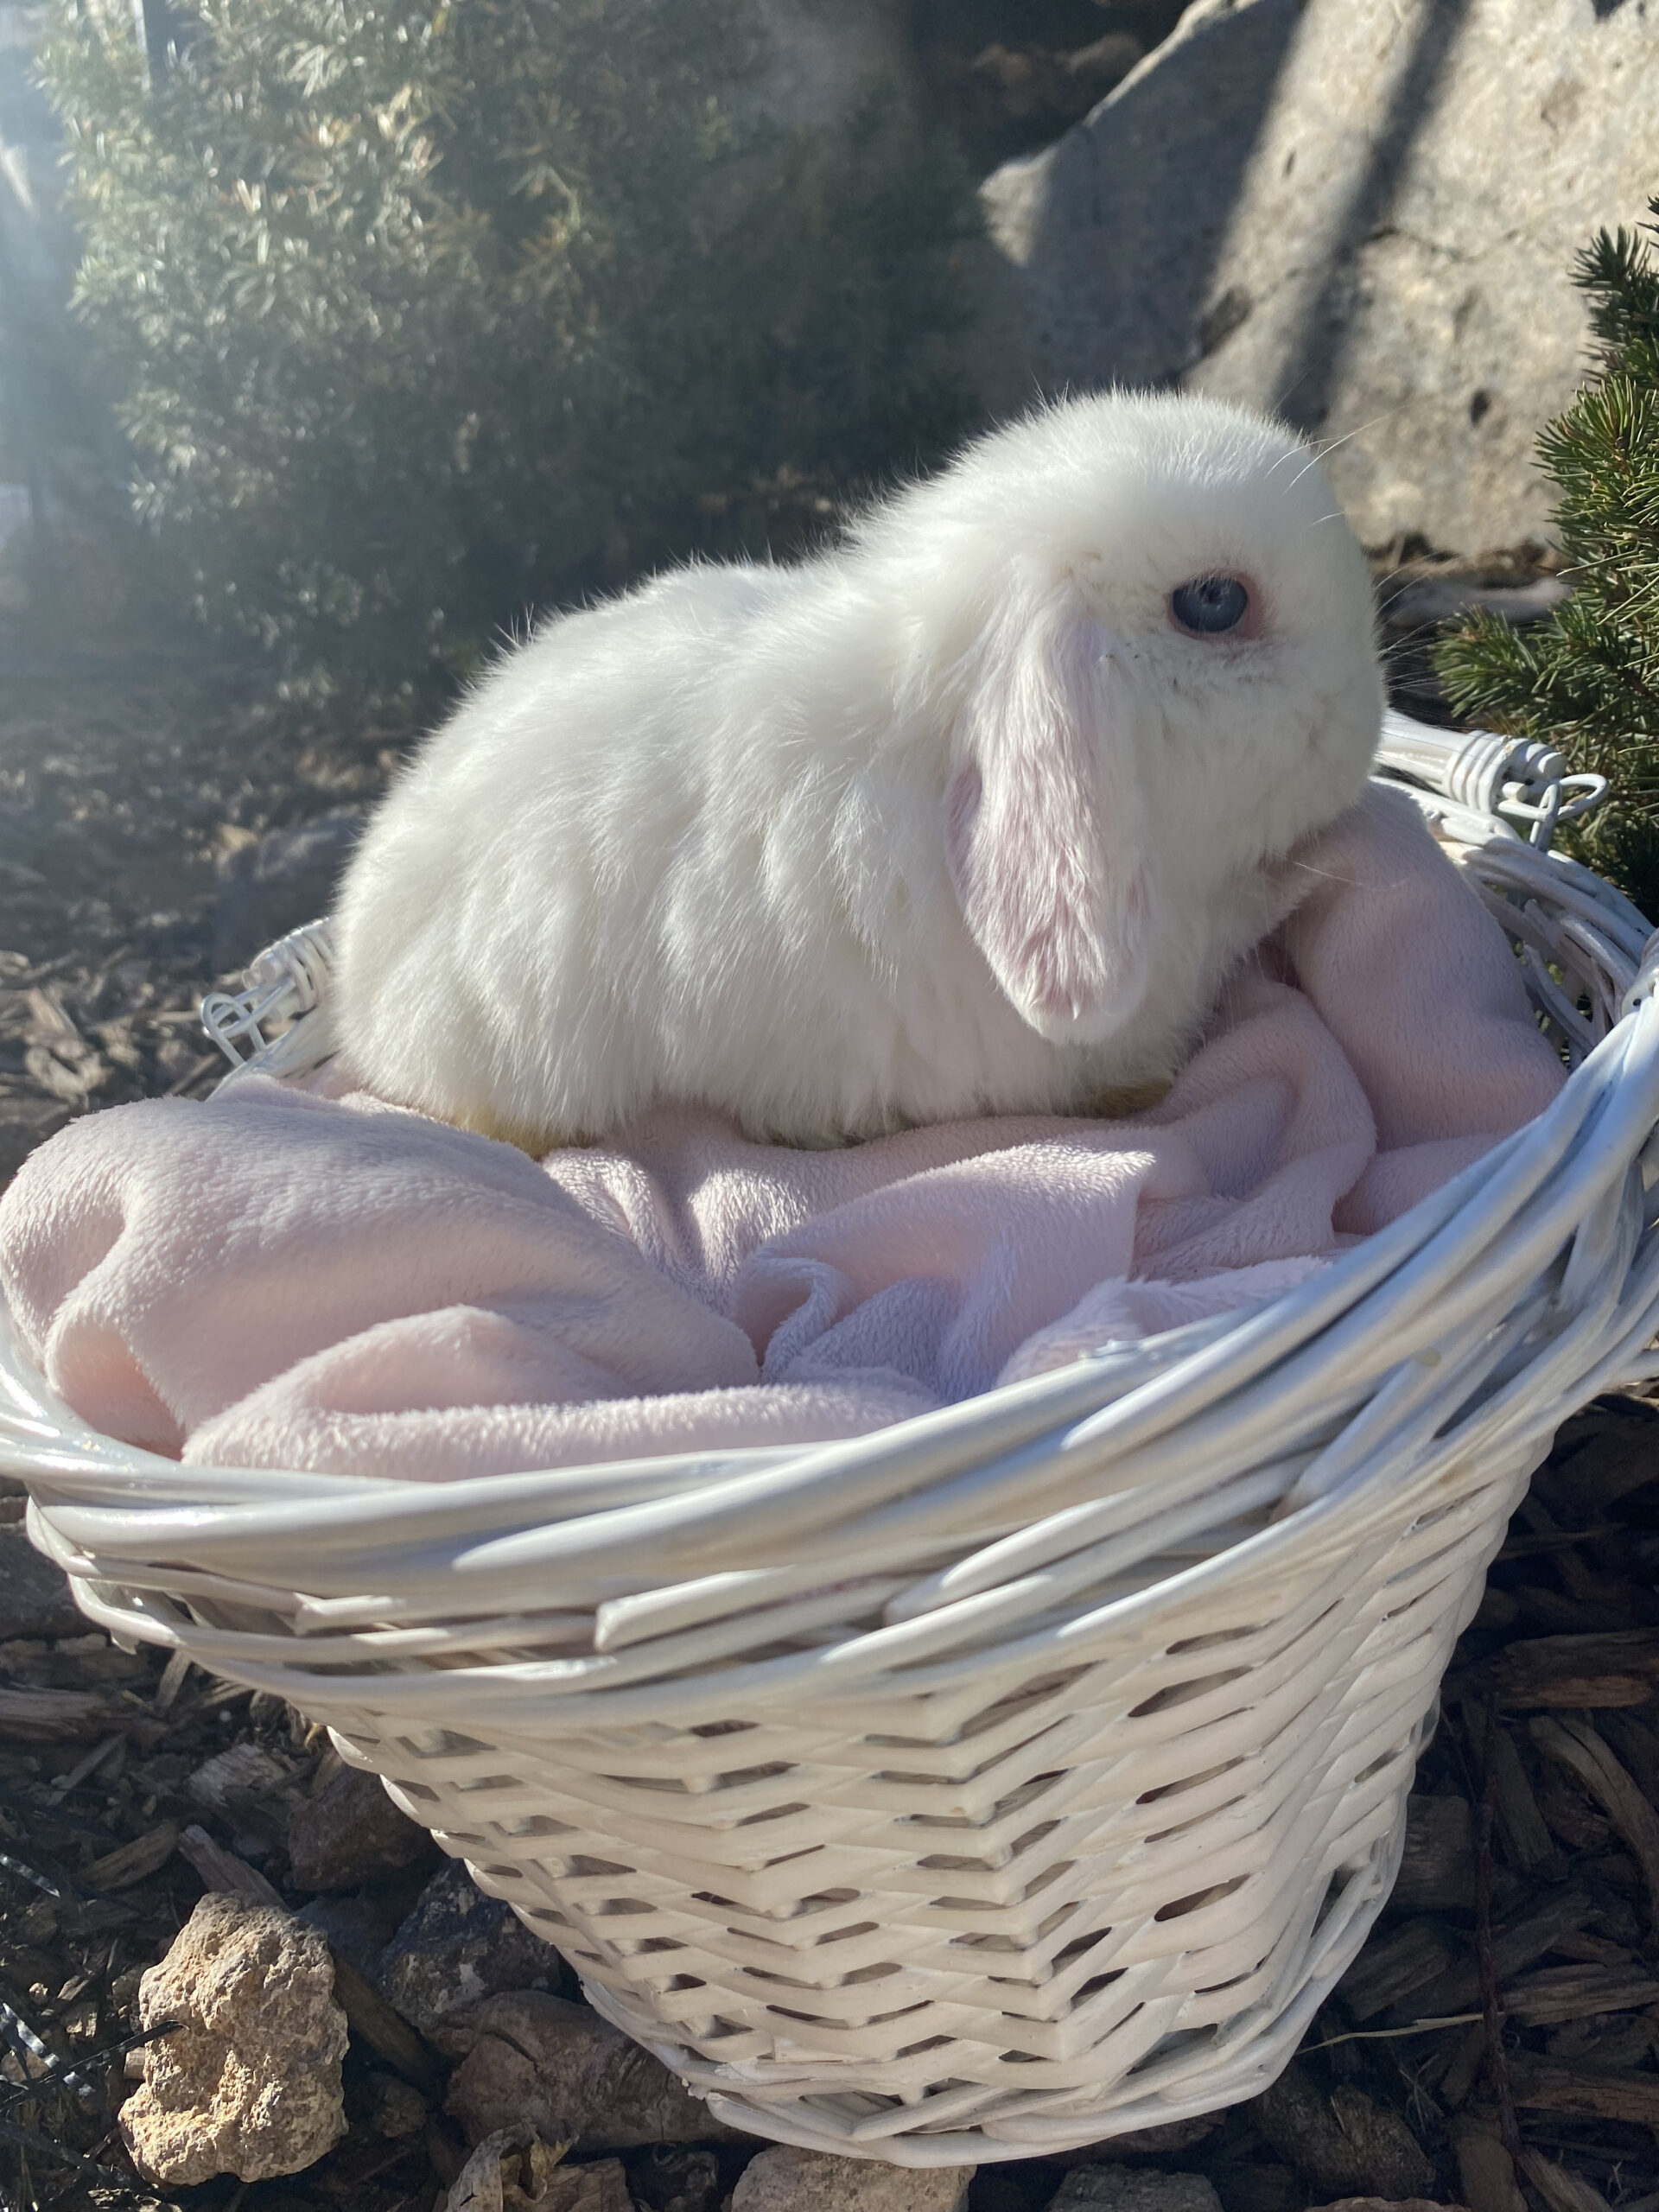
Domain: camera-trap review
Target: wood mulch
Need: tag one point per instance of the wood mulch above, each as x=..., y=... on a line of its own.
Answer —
x=127, y=778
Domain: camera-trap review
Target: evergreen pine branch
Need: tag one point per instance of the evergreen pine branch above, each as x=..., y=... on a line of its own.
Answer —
x=1588, y=679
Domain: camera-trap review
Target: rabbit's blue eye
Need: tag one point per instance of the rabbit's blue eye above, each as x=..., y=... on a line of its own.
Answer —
x=1210, y=605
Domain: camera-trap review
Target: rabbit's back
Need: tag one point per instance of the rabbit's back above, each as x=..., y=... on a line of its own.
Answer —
x=623, y=871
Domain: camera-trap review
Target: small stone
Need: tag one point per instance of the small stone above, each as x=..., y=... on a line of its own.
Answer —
x=396, y=2110
x=1131, y=2188
x=457, y=1946
x=35, y=1599
x=515, y=2171
x=249, y=2082
x=1344, y=2142
x=123, y=1998
x=784, y=2179
x=351, y=1832
x=542, y=2062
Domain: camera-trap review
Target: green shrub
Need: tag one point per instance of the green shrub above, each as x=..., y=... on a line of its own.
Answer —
x=418, y=309
x=1588, y=679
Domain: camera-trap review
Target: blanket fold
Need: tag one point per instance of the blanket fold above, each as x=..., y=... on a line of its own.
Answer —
x=283, y=1276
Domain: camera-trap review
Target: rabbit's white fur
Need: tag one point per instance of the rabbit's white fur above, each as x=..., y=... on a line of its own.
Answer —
x=951, y=819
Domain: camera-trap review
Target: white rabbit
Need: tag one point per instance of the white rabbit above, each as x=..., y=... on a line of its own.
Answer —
x=968, y=815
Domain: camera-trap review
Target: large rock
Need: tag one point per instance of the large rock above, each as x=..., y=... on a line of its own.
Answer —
x=784, y=2179
x=249, y=2082
x=1362, y=211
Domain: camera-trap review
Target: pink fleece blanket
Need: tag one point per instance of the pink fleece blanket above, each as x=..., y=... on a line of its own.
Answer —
x=280, y=1278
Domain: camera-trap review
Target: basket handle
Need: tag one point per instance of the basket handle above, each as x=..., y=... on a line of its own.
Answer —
x=287, y=980
x=1508, y=777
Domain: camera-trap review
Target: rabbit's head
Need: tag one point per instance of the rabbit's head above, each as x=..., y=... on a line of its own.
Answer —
x=1156, y=654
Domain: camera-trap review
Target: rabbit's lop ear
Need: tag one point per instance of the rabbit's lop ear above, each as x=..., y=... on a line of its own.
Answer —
x=1044, y=826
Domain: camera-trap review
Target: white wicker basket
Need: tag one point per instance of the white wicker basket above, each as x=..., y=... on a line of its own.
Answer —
x=1015, y=1776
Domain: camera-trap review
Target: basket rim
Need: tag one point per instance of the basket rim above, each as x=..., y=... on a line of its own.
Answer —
x=141, y=1496
x=1174, y=1358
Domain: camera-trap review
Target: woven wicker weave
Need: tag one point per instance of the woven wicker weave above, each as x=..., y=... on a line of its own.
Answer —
x=1015, y=1777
